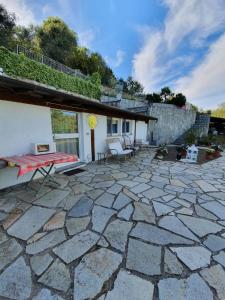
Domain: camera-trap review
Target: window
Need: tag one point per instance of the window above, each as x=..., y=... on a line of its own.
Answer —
x=64, y=121
x=126, y=127
x=112, y=126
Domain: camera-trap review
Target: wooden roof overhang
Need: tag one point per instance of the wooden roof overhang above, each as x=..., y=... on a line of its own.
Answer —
x=31, y=92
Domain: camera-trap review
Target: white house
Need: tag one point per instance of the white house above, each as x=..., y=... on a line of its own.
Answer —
x=32, y=112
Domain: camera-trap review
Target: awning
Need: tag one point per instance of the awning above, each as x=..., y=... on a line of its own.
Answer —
x=31, y=92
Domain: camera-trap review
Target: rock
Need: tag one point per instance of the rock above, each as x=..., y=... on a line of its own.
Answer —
x=11, y=218
x=182, y=202
x=220, y=258
x=214, y=243
x=116, y=233
x=140, y=188
x=189, y=197
x=156, y=235
x=201, y=212
x=76, y=246
x=143, y=257
x=205, y=186
x=56, y=222
x=217, y=195
x=77, y=225
x=184, y=211
x=70, y=201
x=154, y=193
x=121, y=201
x=162, y=209
x=102, y=242
x=9, y=250
x=171, y=263
x=143, y=212
x=215, y=276
x=53, y=198
x=3, y=237
x=48, y=241
x=39, y=263
x=115, y=189
x=100, y=217
x=36, y=237
x=130, y=194
x=15, y=281
x=93, y=271
x=106, y=200
x=200, y=227
x=216, y=208
x=192, y=288
x=94, y=194
x=8, y=204
x=46, y=294
x=104, y=184
x=126, y=212
x=193, y=257
x=130, y=287
x=57, y=277
x=33, y=219
x=173, y=224
x=82, y=208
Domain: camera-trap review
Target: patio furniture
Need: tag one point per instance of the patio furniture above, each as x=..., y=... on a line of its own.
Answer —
x=102, y=157
x=37, y=163
x=142, y=144
x=129, y=145
x=117, y=150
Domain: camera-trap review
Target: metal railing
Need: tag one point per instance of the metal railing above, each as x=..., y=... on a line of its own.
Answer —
x=49, y=62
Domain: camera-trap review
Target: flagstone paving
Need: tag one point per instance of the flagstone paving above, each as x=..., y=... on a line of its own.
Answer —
x=134, y=229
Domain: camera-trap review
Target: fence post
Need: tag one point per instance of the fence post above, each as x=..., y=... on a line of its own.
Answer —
x=17, y=49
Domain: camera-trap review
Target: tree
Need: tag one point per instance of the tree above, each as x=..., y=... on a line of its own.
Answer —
x=133, y=87
x=153, y=98
x=7, y=23
x=178, y=100
x=25, y=36
x=166, y=94
x=55, y=39
x=79, y=59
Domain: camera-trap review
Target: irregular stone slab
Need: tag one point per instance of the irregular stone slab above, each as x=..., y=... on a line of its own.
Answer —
x=3, y=237
x=156, y=235
x=8, y=204
x=94, y=194
x=168, y=197
x=15, y=281
x=140, y=188
x=116, y=233
x=102, y=242
x=184, y=211
x=205, y=186
x=177, y=182
x=53, y=199
x=9, y=250
x=220, y=258
x=154, y=193
x=217, y=195
x=82, y=208
x=76, y=225
x=119, y=175
x=127, y=183
x=162, y=209
x=126, y=212
x=214, y=243
x=102, y=177
x=191, y=288
x=115, y=189
x=104, y=184
x=39, y=263
x=130, y=194
x=76, y=246
x=143, y=257
x=46, y=294
x=36, y=237
x=121, y=201
x=201, y=212
x=130, y=287
x=48, y=241
x=193, y=257
x=105, y=200
x=216, y=208
x=93, y=271
x=55, y=222
x=200, y=227
x=171, y=263
x=173, y=224
x=100, y=217
x=143, y=212
x=57, y=276
x=189, y=197
x=182, y=202
x=33, y=219
x=215, y=276
x=70, y=201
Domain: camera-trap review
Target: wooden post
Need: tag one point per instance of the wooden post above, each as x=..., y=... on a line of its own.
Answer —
x=92, y=144
x=135, y=125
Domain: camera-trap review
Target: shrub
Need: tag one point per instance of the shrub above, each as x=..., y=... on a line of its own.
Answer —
x=19, y=65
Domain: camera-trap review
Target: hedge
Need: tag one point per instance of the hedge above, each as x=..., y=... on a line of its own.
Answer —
x=19, y=65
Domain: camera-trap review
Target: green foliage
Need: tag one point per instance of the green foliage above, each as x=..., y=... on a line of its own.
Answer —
x=133, y=87
x=219, y=112
x=153, y=98
x=24, y=36
x=95, y=78
x=55, y=39
x=178, y=100
x=190, y=137
x=63, y=122
x=7, y=23
x=15, y=65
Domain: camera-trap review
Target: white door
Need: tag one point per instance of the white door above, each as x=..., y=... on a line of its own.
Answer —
x=65, y=131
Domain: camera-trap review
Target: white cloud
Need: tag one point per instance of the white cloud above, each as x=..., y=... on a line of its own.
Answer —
x=118, y=60
x=86, y=38
x=205, y=85
x=187, y=21
x=24, y=15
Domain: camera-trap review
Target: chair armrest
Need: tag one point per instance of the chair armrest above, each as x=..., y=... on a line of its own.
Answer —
x=111, y=149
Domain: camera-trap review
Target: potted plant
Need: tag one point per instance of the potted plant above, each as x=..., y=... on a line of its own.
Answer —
x=209, y=154
x=181, y=152
x=162, y=151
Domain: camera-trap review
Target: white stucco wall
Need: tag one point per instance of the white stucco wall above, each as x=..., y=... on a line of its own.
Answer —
x=141, y=130
x=21, y=125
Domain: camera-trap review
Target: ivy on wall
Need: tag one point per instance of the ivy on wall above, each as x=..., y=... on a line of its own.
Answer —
x=19, y=65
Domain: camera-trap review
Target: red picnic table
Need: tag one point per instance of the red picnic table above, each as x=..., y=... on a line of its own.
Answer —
x=37, y=163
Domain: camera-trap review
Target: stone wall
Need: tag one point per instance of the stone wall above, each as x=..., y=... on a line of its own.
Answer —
x=172, y=122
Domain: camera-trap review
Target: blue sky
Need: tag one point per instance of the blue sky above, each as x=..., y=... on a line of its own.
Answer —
x=158, y=42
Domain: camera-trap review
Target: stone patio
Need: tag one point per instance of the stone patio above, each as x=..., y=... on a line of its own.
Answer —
x=136, y=230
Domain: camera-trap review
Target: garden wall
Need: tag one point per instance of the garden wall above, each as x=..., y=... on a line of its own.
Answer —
x=172, y=122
